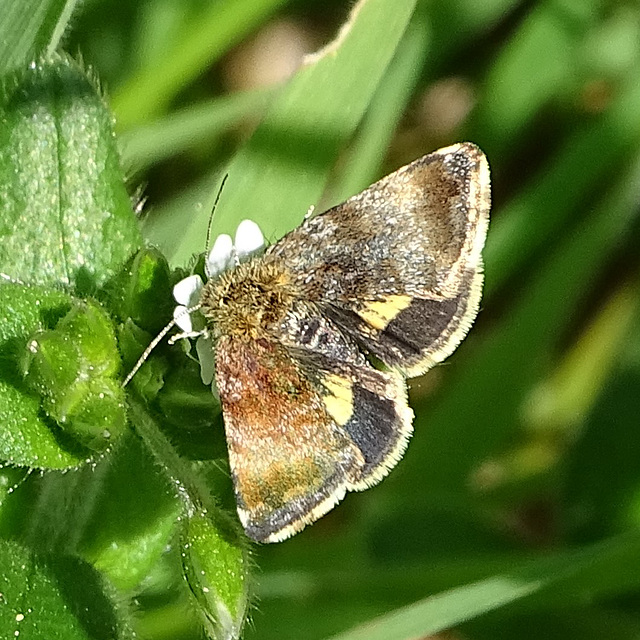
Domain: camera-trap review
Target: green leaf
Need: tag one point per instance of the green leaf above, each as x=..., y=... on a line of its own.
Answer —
x=118, y=513
x=160, y=139
x=379, y=125
x=54, y=597
x=564, y=189
x=25, y=437
x=442, y=611
x=65, y=215
x=569, y=578
x=215, y=553
x=30, y=29
x=143, y=291
x=307, y=124
x=132, y=341
x=185, y=402
x=133, y=515
x=283, y=169
x=204, y=40
x=216, y=570
x=74, y=368
x=534, y=67
x=91, y=329
x=606, y=496
x=564, y=399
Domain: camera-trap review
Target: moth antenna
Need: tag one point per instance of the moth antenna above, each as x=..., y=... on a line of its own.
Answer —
x=213, y=210
x=188, y=334
x=155, y=342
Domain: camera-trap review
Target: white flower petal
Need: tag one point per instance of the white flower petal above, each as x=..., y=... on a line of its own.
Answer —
x=220, y=256
x=187, y=291
x=249, y=238
x=183, y=318
x=204, y=348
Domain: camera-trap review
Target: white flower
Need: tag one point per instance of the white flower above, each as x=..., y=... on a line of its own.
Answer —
x=187, y=295
x=220, y=257
x=224, y=254
x=249, y=239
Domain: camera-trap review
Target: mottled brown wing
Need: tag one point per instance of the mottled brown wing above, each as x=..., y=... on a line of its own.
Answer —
x=302, y=430
x=399, y=267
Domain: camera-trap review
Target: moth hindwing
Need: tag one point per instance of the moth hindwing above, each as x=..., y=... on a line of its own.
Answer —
x=393, y=274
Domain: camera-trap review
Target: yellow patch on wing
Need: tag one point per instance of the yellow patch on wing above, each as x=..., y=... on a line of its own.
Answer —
x=380, y=313
x=339, y=400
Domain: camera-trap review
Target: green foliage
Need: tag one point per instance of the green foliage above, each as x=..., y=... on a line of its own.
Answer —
x=515, y=512
x=26, y=439
x=31, y=28
x=55, y=597
x=214, y=570
x=66, y=216
x=73, y=368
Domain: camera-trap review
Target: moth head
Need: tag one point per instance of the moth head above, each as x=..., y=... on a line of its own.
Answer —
x=226, y=254
x=248, y=301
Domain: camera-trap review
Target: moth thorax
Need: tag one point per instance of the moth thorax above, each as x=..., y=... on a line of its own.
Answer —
x=248, y=300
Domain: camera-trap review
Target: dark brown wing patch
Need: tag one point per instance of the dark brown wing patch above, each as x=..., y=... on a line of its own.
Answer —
x=369, y=405
x=421, y=334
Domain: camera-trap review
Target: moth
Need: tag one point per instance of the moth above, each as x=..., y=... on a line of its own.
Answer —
x=315, y=337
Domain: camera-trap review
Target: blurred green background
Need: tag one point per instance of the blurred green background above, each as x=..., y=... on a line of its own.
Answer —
x=518, y=500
